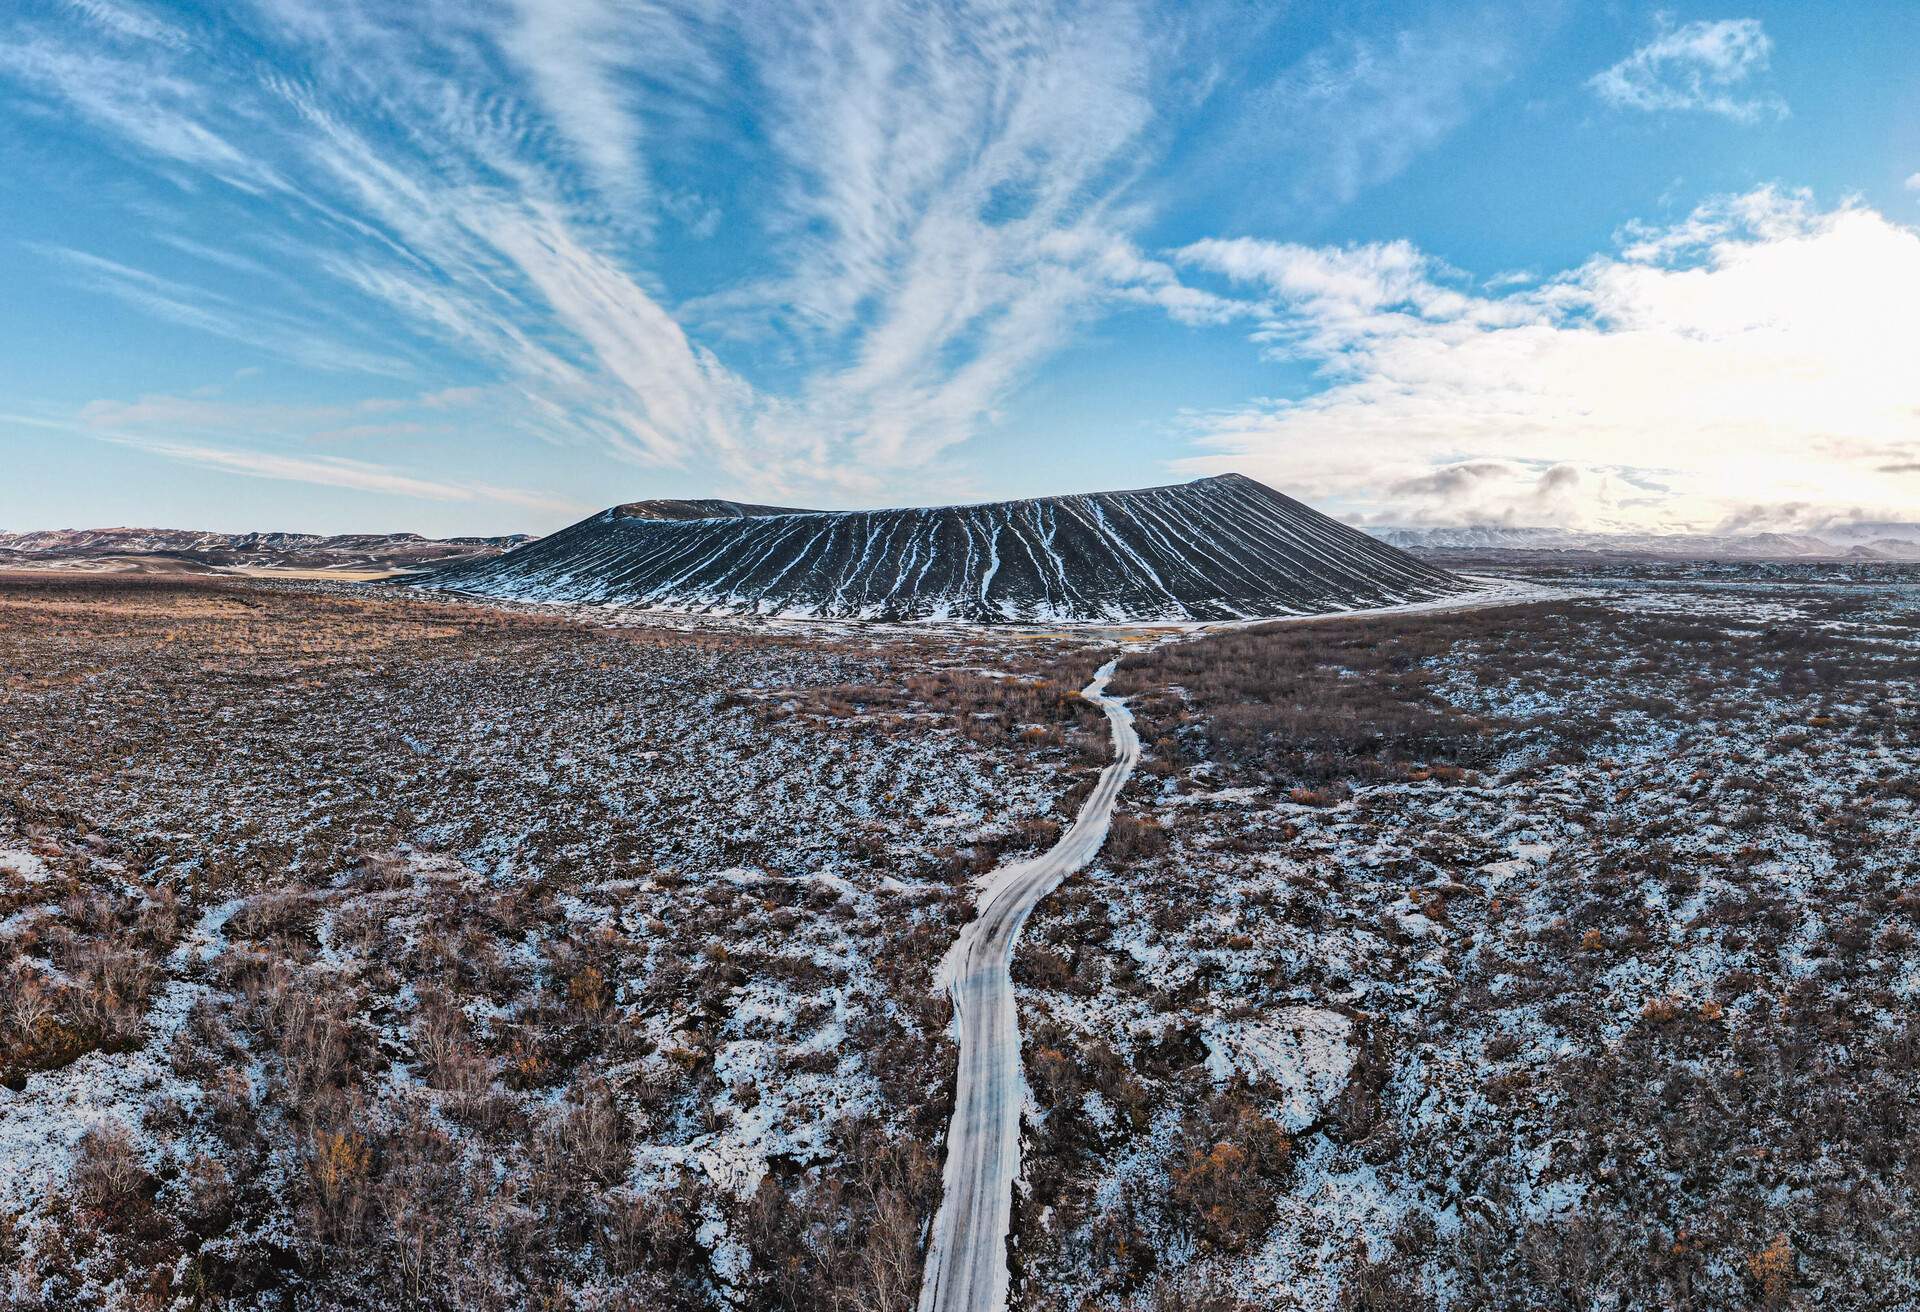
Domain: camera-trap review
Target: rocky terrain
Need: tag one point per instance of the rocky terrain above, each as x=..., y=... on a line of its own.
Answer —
x=358, y=951
x=362, y=949
x=1216, y=549
x=1558, y=956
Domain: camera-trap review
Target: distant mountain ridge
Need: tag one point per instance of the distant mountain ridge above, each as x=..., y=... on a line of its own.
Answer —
x=192, y=550
x=1215, y=549
x=1878, y=541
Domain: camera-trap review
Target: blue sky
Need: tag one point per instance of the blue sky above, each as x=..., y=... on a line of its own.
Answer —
x=482, y=267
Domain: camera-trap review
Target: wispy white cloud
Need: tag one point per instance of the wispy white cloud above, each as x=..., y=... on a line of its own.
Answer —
x=133, y=98
x=947, y=206
x=592, y=62
x=130, y=21
x=209, y=412
x=196, y=307
x=939, y=198
x=1355, y=113
x=1695, y=66
x=1751, y=354
x=147, y=424
x=356, y=475
x=376, y=432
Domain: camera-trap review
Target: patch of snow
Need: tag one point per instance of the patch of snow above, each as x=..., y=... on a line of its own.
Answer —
x=25, y=865
x=1307, y=1052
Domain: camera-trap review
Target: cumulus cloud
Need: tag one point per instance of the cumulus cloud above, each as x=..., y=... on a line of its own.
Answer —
x=1753, y=353
x=1486, y=492
x=1695, y=66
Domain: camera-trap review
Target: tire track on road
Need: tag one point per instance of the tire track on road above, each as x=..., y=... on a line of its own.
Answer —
x=966, y=1267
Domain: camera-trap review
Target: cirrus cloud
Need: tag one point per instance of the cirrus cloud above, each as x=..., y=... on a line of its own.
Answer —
x=925, y=201
x=1695, y=66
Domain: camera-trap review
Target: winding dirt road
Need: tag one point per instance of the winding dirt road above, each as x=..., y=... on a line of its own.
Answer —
x=967, y=1256
x=966, y=1267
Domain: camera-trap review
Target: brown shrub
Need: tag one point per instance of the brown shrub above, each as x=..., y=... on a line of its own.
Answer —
x=109, y=1176
x=1771, y=1271
x=1134, y=838
x=1225, y=1179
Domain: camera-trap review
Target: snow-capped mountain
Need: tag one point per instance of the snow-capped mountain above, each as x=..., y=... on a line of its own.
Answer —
x=1214, y=549
x=213, y=552
x=1889, y=541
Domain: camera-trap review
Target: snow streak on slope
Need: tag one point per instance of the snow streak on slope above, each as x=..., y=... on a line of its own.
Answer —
x=1220, y=548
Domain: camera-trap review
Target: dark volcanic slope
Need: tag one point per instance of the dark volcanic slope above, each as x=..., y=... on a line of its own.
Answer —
x=1216, y=549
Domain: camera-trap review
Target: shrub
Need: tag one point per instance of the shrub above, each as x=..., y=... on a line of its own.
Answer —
x=589, y=991
x=109, y=1176
x=1771, y=1271
x=1134, y=838
x=1661, y=1011
x=1226, y=1178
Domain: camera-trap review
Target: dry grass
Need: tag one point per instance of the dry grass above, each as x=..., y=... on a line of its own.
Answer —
x=1621, y=897
x=482, y=948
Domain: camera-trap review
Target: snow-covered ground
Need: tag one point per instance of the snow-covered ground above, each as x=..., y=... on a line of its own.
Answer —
x=1616, y=962
x=366, y=951
x=503, y=953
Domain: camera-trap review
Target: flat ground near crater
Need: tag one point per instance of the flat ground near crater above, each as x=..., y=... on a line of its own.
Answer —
x=362, y=950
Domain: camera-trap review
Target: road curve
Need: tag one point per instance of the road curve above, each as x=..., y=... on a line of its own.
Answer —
x=966, y=1267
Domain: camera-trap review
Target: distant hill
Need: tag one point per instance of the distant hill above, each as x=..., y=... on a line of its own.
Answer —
x=1888, y=541
x=172, y=550
x=1215, y=549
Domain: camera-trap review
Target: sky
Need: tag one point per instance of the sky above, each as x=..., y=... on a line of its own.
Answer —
x=486, y=266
